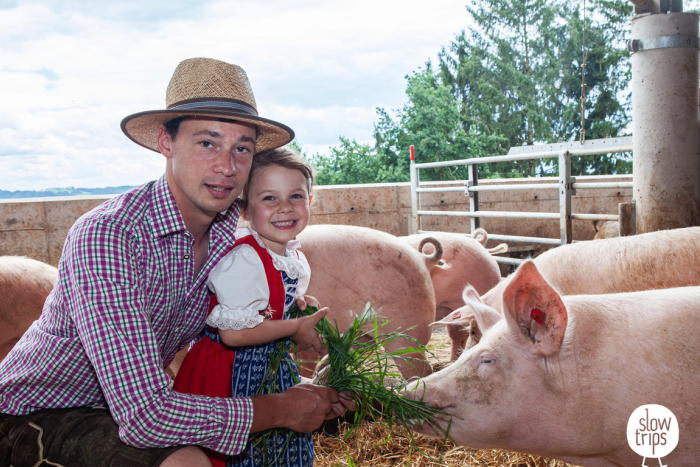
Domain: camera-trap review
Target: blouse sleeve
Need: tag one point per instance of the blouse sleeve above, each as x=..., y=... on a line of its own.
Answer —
x=303, y=284
x=240, y=285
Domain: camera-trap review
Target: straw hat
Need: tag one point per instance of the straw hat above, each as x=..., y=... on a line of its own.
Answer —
x=208, y=88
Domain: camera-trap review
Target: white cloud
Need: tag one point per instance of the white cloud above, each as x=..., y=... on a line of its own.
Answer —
x=71, y=70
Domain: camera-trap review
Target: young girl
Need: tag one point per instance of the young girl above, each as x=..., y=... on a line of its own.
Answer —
x=255, y=285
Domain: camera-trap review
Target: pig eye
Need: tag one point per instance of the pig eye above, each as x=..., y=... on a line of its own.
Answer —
x=486, y=360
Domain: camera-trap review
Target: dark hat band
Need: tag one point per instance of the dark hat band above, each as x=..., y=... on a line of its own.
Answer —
x=213, y=105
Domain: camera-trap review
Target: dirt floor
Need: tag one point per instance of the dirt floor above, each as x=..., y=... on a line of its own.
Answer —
x=369, y=445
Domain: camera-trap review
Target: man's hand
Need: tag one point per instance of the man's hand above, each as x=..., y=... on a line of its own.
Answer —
x=307, y=337
x=301, y=408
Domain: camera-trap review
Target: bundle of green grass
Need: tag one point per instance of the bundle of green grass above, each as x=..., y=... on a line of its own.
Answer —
x=357, y=363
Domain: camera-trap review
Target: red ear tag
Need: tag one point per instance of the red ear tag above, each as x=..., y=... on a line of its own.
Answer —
x=537, y=315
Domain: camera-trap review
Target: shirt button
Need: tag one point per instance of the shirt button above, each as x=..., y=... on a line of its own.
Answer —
x=177, y=329
x=187, y=256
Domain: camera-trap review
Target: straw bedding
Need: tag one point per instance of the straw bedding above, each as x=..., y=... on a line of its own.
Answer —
x=367, y=446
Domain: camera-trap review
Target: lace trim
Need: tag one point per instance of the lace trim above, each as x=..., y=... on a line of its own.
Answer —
x=243, y=319
x=290, y=264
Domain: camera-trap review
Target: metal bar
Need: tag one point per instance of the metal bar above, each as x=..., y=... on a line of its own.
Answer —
x=524, y=186
x=663, y=42
x=516, y=261
x=413, y=221
x=521, y=157
x=527, y=186
x=589, y=186
x=440, y=190
x=516, y=238
x=627, y=219
x=595, y=217
x=565, y=225
x=517, y=215
x=473, y=195
x=603, y=143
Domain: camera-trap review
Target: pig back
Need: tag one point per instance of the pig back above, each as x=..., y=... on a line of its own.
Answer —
x=468, y=262
x=351, y=266
x=656, y=260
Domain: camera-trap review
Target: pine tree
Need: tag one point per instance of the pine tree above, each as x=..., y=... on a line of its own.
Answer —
x=517, y=73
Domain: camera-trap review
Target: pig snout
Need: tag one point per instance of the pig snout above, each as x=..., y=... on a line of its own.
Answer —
x=434, y=398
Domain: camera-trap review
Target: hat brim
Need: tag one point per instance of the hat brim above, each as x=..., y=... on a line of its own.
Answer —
x=142, y=127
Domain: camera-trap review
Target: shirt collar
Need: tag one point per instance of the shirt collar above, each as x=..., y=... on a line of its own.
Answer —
x=168, y=220
x=166, y=215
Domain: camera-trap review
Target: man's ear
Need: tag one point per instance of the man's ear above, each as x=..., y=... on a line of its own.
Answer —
x=164, y=142
x=534, y=310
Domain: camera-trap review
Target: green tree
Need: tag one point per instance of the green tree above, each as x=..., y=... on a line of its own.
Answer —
x=352, y=163
x=517, y=73
x=431, y=122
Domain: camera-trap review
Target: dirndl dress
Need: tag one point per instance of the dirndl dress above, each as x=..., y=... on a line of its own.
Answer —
x=249, y=285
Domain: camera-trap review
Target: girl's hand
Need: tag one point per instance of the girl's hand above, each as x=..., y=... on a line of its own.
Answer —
x=307, y=337
x=307, y=300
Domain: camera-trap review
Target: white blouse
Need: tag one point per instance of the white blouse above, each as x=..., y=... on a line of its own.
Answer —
x=240, y=283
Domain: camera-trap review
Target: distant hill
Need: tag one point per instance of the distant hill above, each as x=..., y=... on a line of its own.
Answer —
x=70, y=191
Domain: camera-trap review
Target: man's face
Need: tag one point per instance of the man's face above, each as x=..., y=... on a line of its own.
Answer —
x=208, y=164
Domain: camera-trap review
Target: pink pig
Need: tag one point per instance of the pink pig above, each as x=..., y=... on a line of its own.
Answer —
x=465, y=261
x=351, y=266
x=24, y=286
x=560, y=376
x=656, y=260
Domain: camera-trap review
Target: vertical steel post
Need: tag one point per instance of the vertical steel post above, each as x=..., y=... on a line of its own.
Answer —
x=665, y=124
x=627, y=219
x=413, y=220
x=565, y=192
x=473, y=195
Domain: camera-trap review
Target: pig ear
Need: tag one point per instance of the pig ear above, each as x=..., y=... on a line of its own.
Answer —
x=451, y=318
x=470, y=294
x=535, y=310
x=485, y=315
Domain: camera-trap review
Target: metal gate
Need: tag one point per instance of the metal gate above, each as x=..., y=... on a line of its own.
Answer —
x=567, y=187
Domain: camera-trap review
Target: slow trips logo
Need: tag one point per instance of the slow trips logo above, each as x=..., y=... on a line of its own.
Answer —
x=652, y=432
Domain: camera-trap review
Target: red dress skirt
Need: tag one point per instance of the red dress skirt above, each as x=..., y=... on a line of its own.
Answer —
x=207, y=370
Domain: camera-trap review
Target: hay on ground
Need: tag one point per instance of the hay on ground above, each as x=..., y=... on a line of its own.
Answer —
x=368, y=446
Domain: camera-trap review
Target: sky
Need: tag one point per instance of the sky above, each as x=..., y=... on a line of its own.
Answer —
x=71, y=70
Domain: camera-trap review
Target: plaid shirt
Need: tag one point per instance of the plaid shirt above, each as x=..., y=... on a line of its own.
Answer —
x=124, y=304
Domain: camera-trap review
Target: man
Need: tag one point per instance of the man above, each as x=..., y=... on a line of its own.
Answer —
x=85, y=384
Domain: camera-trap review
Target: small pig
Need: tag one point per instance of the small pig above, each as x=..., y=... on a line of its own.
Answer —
x=560, y=376
x=351, y=266
x=656, y=260
x=606, y=230
x=466, y=261
x=24, y=286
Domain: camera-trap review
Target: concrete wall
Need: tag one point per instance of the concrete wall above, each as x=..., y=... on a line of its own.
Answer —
x=37, y=227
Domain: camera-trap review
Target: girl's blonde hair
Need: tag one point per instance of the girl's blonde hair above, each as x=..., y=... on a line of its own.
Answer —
x=284, y=157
